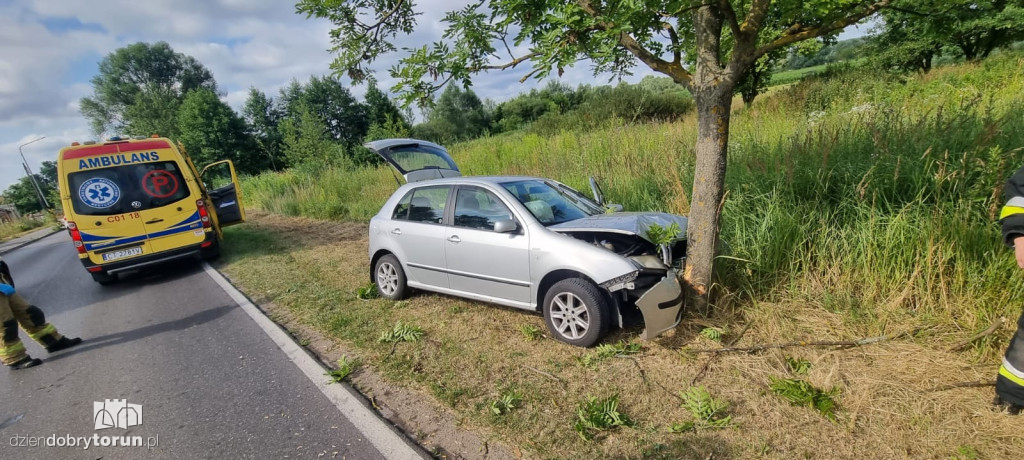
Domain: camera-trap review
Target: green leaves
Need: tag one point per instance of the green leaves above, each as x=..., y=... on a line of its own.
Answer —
x=402, y=332
x=663, y=235
x=707, y=411
x=596, y=415
x=801, y=393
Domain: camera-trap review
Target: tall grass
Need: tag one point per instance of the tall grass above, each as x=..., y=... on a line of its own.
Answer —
x=870, y=195
x=18, y=226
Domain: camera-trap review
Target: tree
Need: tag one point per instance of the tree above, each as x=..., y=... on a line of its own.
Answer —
x=458, y=115
x=905, y=41
x=48, y=174
x=727, y=36
x=262, y=118
x=211, y=131
x=342, y=115
x=979, y=27
x=23, y=195
x=910, y=38
x=306, y=140
x=139, y=87
x=380, y=110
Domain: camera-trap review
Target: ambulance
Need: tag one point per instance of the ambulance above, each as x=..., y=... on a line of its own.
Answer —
x=134, y=203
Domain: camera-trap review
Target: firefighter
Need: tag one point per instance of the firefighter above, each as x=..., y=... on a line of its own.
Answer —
x=14, y=310
x=1010, y=381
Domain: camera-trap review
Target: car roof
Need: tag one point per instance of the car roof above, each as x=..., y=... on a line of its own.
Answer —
x=493, y=180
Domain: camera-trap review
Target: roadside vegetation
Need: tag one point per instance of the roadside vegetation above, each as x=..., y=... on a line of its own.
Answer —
x=20, y=226
x=859, y=205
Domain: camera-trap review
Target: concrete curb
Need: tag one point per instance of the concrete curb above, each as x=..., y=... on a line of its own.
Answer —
x=386, y=438
x=4, y=250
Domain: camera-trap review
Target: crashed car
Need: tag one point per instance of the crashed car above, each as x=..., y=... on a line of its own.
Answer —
x=523, y=242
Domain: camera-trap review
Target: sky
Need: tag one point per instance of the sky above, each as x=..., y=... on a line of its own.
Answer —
x=50, y=49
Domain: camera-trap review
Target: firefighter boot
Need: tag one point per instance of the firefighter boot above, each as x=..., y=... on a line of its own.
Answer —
x=53, y=346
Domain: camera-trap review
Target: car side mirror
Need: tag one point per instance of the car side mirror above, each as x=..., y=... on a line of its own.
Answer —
x=614, y=207
x=505, y=226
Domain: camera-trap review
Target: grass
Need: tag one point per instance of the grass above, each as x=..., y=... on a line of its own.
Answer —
x=18, y=227
x=859, y=205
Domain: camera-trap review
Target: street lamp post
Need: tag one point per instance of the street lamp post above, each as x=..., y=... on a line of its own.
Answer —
x=32, y=177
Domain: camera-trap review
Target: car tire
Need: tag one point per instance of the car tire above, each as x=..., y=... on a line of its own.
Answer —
x=105, y=279
x=390, y=278
x=567, y=321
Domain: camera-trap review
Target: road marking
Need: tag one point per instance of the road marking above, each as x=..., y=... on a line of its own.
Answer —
x=382, y=435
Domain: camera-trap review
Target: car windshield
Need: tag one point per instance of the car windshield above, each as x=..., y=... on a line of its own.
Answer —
x=550, y=202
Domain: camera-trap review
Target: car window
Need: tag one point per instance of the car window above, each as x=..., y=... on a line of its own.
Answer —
x=551, y=203
x=425, y=204
x=402, y=208
x=479, y=209
x=130, y=188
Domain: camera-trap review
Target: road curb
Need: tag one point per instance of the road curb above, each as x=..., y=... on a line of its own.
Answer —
x=386, y=438
x=26, y=243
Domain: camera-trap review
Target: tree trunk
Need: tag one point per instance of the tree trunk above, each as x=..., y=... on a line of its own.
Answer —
x=713, y=108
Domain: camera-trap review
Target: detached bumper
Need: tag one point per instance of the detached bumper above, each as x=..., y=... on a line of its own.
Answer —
x=661, y=306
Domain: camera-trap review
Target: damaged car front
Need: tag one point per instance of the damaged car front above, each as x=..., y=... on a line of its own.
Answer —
x=651, y=284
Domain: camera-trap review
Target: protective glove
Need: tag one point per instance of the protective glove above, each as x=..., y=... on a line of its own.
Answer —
x=6, y=289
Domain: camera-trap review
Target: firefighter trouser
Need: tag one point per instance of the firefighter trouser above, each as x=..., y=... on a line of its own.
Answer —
x=1010, y=381
x=14, y=310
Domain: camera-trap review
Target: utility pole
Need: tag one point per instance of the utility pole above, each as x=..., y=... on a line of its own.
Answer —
x=32, y=177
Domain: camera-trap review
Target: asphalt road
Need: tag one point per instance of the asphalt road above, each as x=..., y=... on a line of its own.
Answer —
x=210, y=381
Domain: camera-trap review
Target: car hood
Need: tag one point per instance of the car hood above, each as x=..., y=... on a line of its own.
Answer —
x=629, y=223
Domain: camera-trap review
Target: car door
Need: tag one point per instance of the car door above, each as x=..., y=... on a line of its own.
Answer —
x=417, y=231
x=225, y=194
x=480, y=260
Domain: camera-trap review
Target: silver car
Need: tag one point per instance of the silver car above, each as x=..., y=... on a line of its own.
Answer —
x=523, y=242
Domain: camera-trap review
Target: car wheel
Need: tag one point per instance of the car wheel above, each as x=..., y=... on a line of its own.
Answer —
x=576, y=312
x=105, y=279
x=390, y=278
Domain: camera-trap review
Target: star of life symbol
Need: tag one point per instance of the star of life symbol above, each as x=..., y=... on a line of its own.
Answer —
x=99, y=193
x=116, y=413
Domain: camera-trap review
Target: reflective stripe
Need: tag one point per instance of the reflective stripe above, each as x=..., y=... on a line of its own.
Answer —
x=1017, y=201
x=1003, y=371
x=1012, y=369
x=1009, y=211
x=46, y=330
x=12, y=350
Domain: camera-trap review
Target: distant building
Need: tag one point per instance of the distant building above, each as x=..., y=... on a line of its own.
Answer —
x=8, y=213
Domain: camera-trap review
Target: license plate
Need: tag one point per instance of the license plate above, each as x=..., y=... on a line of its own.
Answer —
x=121, y=254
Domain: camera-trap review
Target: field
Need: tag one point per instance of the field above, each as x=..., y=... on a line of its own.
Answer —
x=858, y=206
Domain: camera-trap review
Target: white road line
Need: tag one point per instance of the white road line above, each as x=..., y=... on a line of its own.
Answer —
x=382, y=435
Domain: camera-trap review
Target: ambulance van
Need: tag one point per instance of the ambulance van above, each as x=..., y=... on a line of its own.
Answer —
x=135, y=203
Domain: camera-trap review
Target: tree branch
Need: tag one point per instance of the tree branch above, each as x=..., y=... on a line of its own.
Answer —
x=752, y=23
x=507, y=65
x=803, y=343
x=730, y=16
x=963, y=344
x=677, y=56
x=672, y=69
x=797, y=33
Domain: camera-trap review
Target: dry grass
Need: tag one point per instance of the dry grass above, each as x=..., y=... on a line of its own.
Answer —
x=472, y=351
